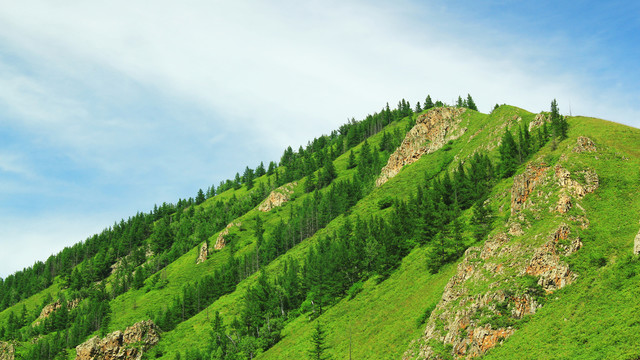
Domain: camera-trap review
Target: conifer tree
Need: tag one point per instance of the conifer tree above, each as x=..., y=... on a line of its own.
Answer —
x=428, y=103
x=470, y=103
x=318, y=346
x=508, y=155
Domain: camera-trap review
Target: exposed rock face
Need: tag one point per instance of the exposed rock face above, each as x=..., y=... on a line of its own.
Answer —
x=431, y=132
x=524, y=184
x=277, y=197
x=7, y=351
x=552, y=273
x=573, y=188
x=539, y=120
x=584, y=144
x=220, y=241
x=204, y=251
x=636, y=244
x=131, y=344
x=502, y=281
x=458, y=319
x=51, y=308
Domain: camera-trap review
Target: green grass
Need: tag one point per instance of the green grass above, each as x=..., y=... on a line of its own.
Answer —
x=596, y=317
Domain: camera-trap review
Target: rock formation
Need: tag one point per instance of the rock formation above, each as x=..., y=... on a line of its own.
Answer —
x=539, y=120
x=220, y=241
x=432, y=130
x=204, y=251
x=524, y=184
x=636, y=244
x=502, y=281
x=7, y=351
x=50, y=308
x=584, y=144
x=129, y=345
x=277, y=197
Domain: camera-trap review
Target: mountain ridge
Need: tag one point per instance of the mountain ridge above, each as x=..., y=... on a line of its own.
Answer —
x=386, y=285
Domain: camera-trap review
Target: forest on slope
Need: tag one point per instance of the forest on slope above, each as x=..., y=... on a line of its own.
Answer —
x=338, y=266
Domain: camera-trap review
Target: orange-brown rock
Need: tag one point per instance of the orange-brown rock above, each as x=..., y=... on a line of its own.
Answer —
x=553, y=273
x=584, y=144
x=524, y=184
x=220, y=241
x=432, y=130
x=7, y=351
x=117, y=345
x=277, y=197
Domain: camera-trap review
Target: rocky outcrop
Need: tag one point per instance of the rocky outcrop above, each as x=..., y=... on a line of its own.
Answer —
x=432, y=130
x=584, y=144
x=204, y=251
x=220, y=241
x=128, y=345
x=51, y=308
x=636, y=244
x=524, y=184
x=571, y=187
x=467, y=321
x=277, y=197
x=7, y=351
x=552, y=273
x=539, y=120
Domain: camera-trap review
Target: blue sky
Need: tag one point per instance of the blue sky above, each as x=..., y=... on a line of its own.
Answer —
x=108, y=109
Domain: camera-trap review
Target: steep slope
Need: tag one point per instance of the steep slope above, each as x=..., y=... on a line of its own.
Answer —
x=555, y=233
x=548, y=273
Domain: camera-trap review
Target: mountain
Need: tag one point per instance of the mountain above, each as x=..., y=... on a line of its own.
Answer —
x=414, y=233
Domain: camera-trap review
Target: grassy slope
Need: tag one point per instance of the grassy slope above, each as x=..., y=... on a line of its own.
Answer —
x=381, y=320
x=597, y=316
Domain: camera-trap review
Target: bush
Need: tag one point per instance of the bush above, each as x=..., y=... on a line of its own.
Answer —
x=385, y=202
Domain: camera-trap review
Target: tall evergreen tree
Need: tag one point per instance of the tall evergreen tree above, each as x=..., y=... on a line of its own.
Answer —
x=428, y=103
x=318, y=346
x=470, y=103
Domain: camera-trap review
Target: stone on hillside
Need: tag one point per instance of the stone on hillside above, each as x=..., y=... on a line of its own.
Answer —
x=636, y=244
x=277, y=197
x=432, y=130
x=539, y=120
x=524, y=184
x=7, y=351
x=204, y=250
x=117, y=345
x=584, y=144
x=220, y=241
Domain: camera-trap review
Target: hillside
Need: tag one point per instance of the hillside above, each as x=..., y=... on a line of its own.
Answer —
x=428, y=233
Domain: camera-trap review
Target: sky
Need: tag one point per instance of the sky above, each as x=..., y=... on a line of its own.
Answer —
x=107, y=108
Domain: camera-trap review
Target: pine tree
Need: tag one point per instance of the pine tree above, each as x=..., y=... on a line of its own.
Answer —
x=508, y=155
x=428, y=103
x=318, y=346
x=352, y=160
x=459, y=102
x=470, y=103
x=200, y=197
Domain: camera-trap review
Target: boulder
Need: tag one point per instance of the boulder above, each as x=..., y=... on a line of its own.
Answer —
x=636, y=244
